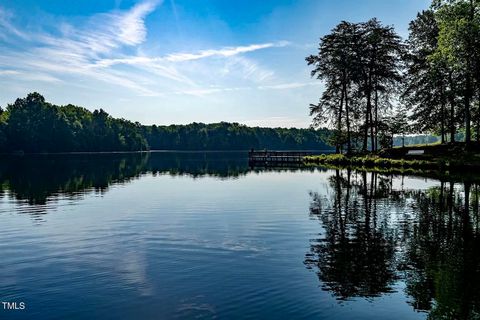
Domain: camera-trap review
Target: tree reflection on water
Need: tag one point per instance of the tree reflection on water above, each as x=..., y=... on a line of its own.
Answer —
x=37, y=179
x=376, y=236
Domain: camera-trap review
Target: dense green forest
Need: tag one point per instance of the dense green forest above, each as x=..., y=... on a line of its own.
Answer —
x=33, y=125
x=233, y=136
x=379, y=86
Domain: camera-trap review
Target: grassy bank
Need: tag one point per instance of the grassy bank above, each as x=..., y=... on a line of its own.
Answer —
x=370, y=161
x=441, y=169
x=455, y=156
x=454, y=162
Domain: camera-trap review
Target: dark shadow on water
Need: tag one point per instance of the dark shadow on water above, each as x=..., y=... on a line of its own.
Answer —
x=40, y=179
x=375, y=236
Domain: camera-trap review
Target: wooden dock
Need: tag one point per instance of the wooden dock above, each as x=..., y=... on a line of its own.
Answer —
x=266, y=157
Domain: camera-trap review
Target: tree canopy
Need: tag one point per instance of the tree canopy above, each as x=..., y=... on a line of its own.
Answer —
x=371, y=76
x=33, y=125
x=360, y=65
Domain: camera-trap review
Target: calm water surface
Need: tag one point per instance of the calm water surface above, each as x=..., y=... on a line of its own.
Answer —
x=202, y=235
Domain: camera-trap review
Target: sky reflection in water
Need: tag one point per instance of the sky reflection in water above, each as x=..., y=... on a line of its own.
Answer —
x=182, y=235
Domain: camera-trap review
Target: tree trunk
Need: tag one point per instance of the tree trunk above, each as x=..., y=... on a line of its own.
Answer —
x=468, y=92
x=365, y=132
x=339, y=124
x=376, y=119
x=478, y=120
x=451, y=98
x=468, y=80
x=443, y=114
x=372, y=135
x=368, y=114
x=347, y=114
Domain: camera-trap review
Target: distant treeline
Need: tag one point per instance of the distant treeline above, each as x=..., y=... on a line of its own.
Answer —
x=33, y=125
x=233, y=136
x=415, y=140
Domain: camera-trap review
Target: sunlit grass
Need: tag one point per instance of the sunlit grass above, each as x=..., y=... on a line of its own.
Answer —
x=369, y=161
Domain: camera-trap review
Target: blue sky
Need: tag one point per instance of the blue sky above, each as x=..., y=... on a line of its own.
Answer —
x=178, y=61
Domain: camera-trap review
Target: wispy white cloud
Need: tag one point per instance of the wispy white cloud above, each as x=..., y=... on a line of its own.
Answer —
x=247, y=69
x=96, y=50
x=215, y=90
x=75, y=50
x=102, y=33
x=224, y=52
x=168, y=66
x=28, y=76
x=7, y=27
x=291, y=85
x=184, y=56
x=199, y=92
x=132, y=25
x=8, y=72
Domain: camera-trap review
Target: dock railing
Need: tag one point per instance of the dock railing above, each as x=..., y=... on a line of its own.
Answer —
x=276, y=157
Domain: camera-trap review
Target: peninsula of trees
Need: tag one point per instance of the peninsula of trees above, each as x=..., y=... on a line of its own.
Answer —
x=33, y=125
x=379, y=86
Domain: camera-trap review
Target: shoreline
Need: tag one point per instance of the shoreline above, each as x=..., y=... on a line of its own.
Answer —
x=438, y=170
x=460, y=160
x=144, y=151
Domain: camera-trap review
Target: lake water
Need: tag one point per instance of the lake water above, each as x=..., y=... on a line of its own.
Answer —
x=202, y=235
